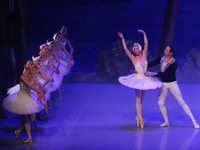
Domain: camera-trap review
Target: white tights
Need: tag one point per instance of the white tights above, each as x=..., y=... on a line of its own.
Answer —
x=174, y=88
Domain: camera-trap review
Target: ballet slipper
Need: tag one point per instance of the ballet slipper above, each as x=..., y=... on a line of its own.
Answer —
x=138, y=123
x=141, y=123
x=16, y=134
x=28, y=141
x=165, y=124
x=196, y=126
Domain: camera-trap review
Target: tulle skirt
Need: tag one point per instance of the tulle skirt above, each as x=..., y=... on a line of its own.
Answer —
x=16, y=89
x=141, y=83
x=22, y=104
x=52, y=85
x=62, y=67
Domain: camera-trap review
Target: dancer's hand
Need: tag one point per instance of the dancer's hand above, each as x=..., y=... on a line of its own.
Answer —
x=40, y=95
x=68, y=65
x=56, y=70
x=141, y=31
x=51, y=78
x=120, y=35
x=43, y=89
x=136, y=71
x=147, y=73
x=71, y=57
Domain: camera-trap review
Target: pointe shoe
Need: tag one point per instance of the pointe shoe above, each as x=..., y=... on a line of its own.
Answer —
x=138, y=123
x=196, y=126
x=165, y=124
x=141, y=123
x=28, y=141
x=16, y=134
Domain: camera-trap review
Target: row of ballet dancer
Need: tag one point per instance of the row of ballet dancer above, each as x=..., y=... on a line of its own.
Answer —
x=42, y=75
x=46, y=72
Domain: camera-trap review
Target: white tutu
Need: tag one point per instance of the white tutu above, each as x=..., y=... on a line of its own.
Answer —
x=51, y=86
x=142, y=83
x=62, y=67
x=13, y=89
x=23, y=102
x=62, y=54
x=47, y=95
x=16, y=89
x=139, y=80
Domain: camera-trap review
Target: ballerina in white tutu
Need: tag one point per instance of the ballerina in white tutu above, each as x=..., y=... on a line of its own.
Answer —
x=63, y=40
x=40, y=74
x=47, y=66
x=25, y=102
x=138, y=80
x=60, y=64
x=63, y=54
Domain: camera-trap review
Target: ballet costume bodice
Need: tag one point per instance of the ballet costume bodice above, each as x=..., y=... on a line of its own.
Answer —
x=140, y=68
x=63, y=43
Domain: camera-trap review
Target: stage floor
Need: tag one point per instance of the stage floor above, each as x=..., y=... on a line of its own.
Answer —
x=101, y=117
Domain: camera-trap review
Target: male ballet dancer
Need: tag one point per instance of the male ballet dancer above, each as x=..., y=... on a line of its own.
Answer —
x=167, y=73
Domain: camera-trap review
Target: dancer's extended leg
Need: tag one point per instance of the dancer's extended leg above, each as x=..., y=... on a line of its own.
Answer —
x=162, y=94
x=33, y=119
x=177, y=94
x=28, y=129
x=139, y=98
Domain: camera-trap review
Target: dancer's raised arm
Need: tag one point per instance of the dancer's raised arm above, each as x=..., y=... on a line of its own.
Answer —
x=145, y=43
x=132, y=58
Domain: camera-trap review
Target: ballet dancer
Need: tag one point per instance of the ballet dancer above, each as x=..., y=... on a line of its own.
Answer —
x=55, y=60
x=137, y=80
x=40, y=74
x=47, y=66
x=25, y=102
x=168, y=66
x=63, y=54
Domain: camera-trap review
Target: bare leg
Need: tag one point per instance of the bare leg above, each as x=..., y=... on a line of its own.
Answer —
x=46, y=111
x=62, y=88
x=46, y=107
x=139, y=98
x=33, y=119
x=28, y=129
x=60, y=94
x=49, y=104
x=21, y=126
x=138, y=103
x=162, y=94
x=142, y=95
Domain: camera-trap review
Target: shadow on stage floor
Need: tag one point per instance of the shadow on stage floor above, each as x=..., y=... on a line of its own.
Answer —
x=101, y=116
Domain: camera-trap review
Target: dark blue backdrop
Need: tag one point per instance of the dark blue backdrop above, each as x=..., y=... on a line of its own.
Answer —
x=93, y=26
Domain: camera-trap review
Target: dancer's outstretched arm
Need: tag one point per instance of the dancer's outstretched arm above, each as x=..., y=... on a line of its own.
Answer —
x=132, y=58
x=144, y=53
